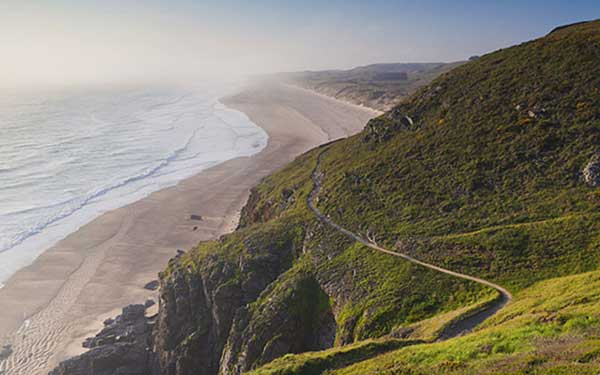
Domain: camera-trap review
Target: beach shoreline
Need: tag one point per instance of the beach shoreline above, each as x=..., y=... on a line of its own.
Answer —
x=47, y=308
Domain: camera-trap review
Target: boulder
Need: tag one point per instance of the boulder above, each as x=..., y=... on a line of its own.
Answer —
x=591, y=172
x=152, y=285
x=108, y=321
x=133, y=313
x=5, y=352
x=122, y=347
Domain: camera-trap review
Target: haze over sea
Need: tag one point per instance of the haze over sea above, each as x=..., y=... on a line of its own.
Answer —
x=68, y=156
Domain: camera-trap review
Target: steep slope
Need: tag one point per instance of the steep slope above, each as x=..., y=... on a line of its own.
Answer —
x=492, y=171
x=462, y=326
x=500, y=143
x=550, y=328
x=487, y=172
x=289, y=284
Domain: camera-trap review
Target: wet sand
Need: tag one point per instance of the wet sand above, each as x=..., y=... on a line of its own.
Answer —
x=49, y=307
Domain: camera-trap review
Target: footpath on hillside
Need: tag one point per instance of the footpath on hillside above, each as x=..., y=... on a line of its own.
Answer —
x=468, y=322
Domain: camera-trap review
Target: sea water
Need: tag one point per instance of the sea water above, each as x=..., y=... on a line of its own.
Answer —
x=67, y=156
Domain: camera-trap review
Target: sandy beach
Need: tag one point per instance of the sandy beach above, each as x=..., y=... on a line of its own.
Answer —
x=49, y=307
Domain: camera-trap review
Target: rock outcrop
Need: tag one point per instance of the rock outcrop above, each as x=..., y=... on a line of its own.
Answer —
x=5, y=352
x=591, y=172
x=294, y=319
x=196, y=313
x=382, y=128
x=152, y=285
x=199, y=301
x=124, y=346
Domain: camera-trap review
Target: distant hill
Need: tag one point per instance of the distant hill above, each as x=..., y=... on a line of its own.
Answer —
x=378, y=86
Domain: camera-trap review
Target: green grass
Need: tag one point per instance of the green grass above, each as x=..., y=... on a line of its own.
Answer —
x=388, y=292
x=518, y=255
x=552, y=327
x=482, y=167
x=316, y=362
x=476, y=185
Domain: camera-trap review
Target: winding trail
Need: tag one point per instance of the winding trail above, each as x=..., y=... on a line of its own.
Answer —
x=461, y=327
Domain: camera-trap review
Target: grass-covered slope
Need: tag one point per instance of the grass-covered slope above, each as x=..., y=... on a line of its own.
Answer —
x=551, y=328
x=497, y=142
x=482, y=172
x=479, y=172
x=286, y=283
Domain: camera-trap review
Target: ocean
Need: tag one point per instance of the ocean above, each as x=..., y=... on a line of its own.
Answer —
x=68, y=156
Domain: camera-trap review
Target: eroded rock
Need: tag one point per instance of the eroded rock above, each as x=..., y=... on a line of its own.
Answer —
x=591, y=172
x=263, y=332
x=124, y=346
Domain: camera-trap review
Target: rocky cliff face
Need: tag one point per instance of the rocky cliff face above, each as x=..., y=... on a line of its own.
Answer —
x=198, y=304
x=200, y=300
x=297, y=320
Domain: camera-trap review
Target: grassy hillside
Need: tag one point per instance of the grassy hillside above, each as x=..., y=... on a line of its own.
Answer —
x=378, y=86
x=497, y=142
x=551, y=328
x=285, y=283
x=479, y=172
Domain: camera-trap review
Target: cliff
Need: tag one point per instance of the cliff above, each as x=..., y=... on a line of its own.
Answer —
x=489, y=170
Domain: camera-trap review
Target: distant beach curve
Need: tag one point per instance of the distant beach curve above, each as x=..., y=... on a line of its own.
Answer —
x=70, y=156
x=70, y=289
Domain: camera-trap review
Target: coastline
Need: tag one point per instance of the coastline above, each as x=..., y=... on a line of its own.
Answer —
x=72, y=287
x=202, y=132
x=376, y=111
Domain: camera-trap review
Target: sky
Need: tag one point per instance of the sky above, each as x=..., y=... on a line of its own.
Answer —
x=53, y=42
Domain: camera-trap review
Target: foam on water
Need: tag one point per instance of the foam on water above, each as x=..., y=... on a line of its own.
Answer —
x=66, y=158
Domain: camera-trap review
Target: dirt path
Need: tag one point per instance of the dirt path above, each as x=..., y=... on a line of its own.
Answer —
x=468, y=323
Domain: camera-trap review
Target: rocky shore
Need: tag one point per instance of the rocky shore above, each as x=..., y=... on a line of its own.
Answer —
x=124, y=346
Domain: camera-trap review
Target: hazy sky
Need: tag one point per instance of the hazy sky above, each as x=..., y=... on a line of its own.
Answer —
x=81, y=41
